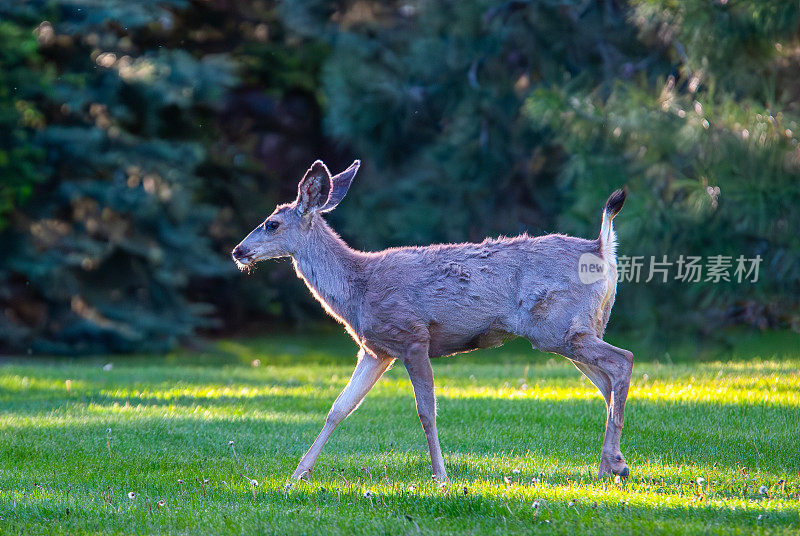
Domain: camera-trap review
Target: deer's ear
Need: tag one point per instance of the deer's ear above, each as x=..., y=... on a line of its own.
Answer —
x=339, y=186
x=313, y=190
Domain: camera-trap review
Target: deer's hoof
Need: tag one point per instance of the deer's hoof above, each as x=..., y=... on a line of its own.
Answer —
x=614, y=465
x=443, y=482
x=298, y=475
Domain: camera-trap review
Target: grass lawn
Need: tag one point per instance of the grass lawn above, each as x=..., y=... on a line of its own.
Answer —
x=714, y=447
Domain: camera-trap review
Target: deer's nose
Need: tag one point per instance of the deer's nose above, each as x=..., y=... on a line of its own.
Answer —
x=239, y=252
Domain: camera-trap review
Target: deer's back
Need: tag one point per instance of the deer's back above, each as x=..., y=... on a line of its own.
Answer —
x=460, y=297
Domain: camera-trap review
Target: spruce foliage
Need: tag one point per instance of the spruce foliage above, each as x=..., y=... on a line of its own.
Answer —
x=139, y=141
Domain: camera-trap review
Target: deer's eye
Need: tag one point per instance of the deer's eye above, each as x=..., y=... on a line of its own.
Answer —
x=271, y=225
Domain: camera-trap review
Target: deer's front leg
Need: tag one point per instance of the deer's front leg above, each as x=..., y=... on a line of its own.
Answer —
x=368, y=370
x=419, y=369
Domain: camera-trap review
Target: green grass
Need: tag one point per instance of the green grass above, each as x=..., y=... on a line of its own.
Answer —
x=521, y=432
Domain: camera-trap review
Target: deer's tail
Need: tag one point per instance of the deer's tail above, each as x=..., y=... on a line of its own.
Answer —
x=608, y=238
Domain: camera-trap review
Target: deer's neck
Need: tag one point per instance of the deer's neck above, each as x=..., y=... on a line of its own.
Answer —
x=332, y=272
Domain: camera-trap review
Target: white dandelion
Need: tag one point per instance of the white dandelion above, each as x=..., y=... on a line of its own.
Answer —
x=131, y=495
x=368, y=494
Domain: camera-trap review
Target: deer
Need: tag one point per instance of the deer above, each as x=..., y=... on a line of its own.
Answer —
x=414, y=304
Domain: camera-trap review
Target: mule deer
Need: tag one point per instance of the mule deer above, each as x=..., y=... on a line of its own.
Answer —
x=417, y=303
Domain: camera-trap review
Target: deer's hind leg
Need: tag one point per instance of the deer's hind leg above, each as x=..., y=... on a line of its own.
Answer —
x=598, y=378
x=609, y=368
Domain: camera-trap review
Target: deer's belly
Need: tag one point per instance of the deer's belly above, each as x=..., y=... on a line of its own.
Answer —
x=447, y=340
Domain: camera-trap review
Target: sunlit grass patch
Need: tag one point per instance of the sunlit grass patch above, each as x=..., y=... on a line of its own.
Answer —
x=173, y=445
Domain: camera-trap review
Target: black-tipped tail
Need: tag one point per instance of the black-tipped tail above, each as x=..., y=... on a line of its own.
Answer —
x=615, y=202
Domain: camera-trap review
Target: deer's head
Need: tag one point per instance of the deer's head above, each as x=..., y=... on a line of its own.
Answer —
x=287, y=228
